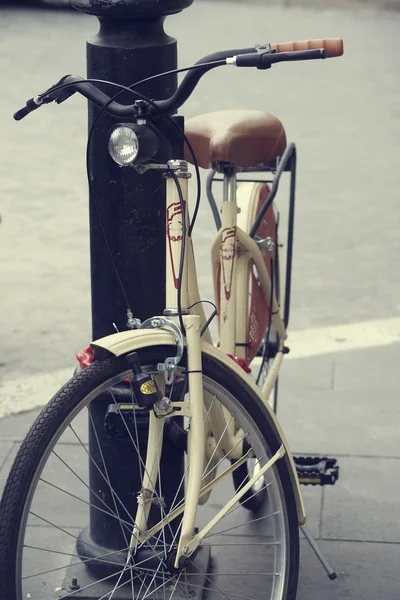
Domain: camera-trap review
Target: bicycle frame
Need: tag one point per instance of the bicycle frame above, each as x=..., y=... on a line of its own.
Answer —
x=231, y=441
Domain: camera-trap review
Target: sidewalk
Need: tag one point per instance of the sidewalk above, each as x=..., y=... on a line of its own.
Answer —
x=347, y=406
x=344, y=405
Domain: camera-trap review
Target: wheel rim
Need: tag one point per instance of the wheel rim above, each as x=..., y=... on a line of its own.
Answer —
x=275, y=521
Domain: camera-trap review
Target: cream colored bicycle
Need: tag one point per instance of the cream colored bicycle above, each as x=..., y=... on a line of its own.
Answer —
x=231, y=526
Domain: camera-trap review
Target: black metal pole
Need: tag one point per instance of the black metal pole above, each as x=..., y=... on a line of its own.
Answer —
x=131, y=45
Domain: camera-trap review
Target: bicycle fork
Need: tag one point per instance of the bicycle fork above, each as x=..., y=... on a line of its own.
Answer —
x=192, y=407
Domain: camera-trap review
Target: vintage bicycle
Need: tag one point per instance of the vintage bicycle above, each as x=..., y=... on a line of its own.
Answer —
x=163, y=381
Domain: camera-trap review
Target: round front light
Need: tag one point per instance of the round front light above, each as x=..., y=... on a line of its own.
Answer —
x=123, y=145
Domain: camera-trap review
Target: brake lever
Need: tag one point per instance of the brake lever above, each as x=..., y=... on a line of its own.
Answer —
x=64, y=93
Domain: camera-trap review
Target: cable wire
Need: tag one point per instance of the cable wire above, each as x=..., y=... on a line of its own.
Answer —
x=210, y=318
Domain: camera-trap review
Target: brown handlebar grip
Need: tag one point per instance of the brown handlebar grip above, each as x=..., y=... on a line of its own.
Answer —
x=332, y=46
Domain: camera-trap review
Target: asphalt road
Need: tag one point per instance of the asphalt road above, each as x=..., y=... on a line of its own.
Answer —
x=343, y=114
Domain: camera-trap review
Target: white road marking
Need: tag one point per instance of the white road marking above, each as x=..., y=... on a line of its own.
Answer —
x=26, y=393
x=342, y=338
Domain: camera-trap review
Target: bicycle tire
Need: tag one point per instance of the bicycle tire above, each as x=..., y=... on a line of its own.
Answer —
x=29, y=463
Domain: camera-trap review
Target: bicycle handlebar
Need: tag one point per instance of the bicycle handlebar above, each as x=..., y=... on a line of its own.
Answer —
x=261, y=57
x=192, y=78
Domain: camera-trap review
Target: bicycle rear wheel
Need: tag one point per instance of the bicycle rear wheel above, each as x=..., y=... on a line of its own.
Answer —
x=49, y=500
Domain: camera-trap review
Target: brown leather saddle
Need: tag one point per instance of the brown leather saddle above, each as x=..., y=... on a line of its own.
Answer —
x=243, y=138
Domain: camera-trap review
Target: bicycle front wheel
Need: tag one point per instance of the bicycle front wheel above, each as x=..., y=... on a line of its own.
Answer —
x=83, y=461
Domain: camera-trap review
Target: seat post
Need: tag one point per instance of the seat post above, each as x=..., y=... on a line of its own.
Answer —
x=229, y=185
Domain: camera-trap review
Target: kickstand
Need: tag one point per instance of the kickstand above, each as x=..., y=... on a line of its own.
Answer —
x=318, y=553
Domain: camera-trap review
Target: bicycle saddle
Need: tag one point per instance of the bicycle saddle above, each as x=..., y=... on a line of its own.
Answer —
x=244, y=138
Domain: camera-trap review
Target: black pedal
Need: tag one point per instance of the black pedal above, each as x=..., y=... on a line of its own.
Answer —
x=317, y=470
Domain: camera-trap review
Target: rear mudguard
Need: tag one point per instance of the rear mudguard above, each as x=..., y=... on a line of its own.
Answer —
x=122, y=343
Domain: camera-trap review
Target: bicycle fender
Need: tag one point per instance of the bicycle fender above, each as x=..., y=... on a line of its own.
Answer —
x=122, y=343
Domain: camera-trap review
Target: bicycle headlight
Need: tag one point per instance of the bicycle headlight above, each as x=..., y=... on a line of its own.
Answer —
x=131, y=143
x=123, y=145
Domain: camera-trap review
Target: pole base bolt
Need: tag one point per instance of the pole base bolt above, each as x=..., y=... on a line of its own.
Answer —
x=73, y=586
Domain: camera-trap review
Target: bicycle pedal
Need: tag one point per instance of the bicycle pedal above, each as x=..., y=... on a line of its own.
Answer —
x=316, y=470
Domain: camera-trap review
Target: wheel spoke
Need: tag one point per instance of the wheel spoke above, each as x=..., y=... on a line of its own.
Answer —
x=216, y=588
x=99, y=471
x=109, y=595
x=113, y=494
x=99, y=556
x=225, y=456
x=217, y=444
x=249, y=498
x=89, y=585
x=147, y=574
x=176, y=584
x=136, y=447
x=182, y=502
x=240, y=544
x=231, y=595
x=116, y=586
x=60, y=529
x=242, y=524
x=73, y=556
x=111, y=514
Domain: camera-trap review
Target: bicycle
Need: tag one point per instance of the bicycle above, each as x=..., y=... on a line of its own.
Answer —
x=176, y=386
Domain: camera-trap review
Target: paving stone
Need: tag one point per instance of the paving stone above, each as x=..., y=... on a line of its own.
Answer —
x=7, y=465
x=365, y=572
x=364, y=504
x=61, y=496
x=5, y=448
x=15, y=427
x=316, y=373
x=340, y=422
x=312, y=496
x=56, y=552
x=372, y=370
